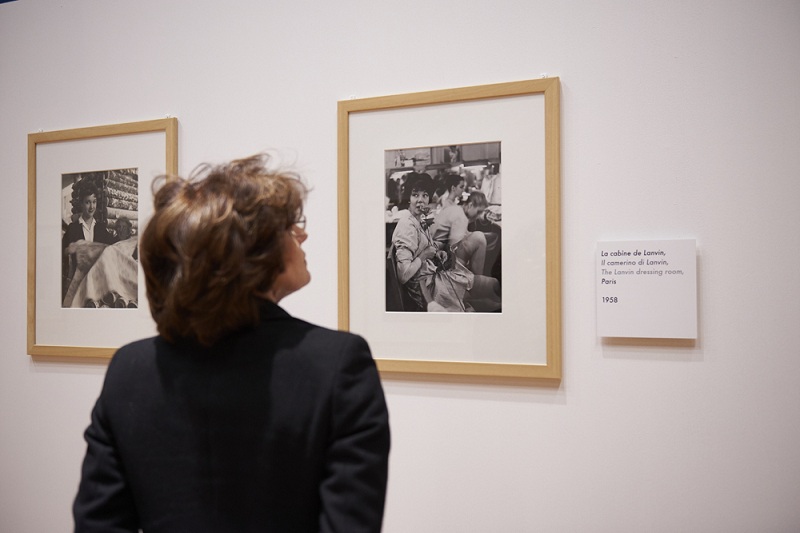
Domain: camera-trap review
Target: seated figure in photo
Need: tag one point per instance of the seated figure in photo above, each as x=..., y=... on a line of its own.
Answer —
x=124, y=229
x=454, y=186
x=450, y=229
x=411, y=242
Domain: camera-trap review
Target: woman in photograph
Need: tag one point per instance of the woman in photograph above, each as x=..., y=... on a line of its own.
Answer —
x=236, y=416
x=412, y=244
x=85, y=235
x=85, y=226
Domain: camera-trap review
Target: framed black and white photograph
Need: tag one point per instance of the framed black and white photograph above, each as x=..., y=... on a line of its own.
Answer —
x=450, y=206
x=89, y=194
x=100, y=224
x=449, y=230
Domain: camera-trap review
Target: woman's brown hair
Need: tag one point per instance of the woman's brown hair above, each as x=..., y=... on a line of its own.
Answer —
x=214, y=245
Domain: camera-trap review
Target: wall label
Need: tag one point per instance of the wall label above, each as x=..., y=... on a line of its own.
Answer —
x=647, y=289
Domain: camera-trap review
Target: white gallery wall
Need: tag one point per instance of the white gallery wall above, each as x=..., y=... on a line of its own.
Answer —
x=679, y=120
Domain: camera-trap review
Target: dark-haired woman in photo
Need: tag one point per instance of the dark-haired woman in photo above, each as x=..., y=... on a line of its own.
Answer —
x=237, y=417
x=412, y=244
x=85, y=226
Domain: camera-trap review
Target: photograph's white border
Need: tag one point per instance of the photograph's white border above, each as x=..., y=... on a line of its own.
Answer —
x=520, y=340
x=149, y=146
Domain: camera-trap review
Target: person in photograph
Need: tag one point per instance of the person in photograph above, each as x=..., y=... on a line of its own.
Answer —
x=124, y=229
x=86, y=230
x=450, y=229
x=125, y=236
x=237, y=416
x=454, y=187
x=491, y=185
x=404, y=187
x=412, y=244
x=86, y=227
x=429, y=273
x=452, y=155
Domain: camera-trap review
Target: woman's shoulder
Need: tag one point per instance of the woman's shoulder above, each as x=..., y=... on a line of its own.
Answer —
x=134, y=352
x=314, y=334
x=318, y=345
x=132, y=362
x=334, y=352
x=406, y=227
x=275, y=320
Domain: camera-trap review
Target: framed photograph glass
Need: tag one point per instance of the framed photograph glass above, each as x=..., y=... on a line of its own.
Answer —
x=449, y=229
x=89, y=193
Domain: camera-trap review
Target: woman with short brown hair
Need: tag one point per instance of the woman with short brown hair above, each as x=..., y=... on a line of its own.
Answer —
x=237, y=416
x=214, y=246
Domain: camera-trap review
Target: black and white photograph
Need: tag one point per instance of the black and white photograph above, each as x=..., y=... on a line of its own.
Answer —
x=443, y=216
x=99, y=239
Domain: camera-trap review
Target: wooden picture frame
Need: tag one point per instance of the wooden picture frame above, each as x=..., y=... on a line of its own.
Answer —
x=113, y=167
x=522, y=341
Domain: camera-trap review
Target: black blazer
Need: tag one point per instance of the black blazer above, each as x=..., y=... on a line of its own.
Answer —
x=74, y=233
x=282, y=427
